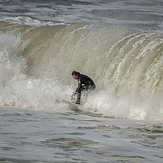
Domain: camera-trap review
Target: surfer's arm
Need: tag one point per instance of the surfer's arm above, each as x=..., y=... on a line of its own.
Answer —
x=78, y=88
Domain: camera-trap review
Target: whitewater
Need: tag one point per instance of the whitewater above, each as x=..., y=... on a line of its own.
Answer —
x=118, y=44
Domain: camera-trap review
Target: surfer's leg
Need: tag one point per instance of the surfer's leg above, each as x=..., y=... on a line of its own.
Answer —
x=78, y=98
x=83, y=88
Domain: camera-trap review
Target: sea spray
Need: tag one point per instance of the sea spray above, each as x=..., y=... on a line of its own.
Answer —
x=125, y=65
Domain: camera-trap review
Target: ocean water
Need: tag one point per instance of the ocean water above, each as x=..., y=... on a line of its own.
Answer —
x=119, y=44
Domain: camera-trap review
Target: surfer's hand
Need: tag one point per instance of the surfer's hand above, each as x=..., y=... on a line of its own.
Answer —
x=72, y=97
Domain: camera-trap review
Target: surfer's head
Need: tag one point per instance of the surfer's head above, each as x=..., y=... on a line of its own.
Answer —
x=75, y=74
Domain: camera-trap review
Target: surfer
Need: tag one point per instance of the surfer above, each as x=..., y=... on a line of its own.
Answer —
x=84, y=83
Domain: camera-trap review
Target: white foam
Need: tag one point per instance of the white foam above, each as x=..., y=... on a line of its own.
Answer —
x=19, y=89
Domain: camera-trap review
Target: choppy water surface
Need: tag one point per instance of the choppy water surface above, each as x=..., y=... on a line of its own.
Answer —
x=34, y=136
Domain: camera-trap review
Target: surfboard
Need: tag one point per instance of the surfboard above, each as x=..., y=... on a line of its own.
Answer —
x=71, y=103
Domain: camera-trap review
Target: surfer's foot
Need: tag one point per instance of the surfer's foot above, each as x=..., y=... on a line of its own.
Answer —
x=77, y=102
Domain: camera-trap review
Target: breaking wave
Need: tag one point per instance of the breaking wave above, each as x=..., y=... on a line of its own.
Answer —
x=36, y=65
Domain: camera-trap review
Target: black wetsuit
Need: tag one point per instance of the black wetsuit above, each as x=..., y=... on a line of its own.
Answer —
x=84, y=83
